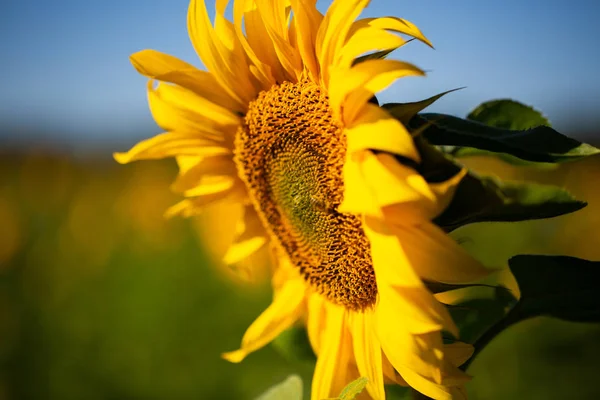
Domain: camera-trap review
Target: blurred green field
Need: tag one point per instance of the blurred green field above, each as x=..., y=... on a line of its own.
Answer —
x=101, y=298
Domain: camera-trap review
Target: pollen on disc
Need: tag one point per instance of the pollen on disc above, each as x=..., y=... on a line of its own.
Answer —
x=290, y=153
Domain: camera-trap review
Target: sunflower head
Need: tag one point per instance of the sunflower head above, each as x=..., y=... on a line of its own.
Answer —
x=281, y=127
x=290, y=153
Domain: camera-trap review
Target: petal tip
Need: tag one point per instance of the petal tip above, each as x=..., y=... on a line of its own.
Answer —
x=122, y=158
x=234, y=356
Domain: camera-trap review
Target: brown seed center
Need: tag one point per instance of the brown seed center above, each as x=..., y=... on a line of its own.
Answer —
x=290, y=153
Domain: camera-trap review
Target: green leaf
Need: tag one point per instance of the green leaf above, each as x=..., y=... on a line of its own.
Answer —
x=540, y=144
x=294, y=345
x=485, y=199
x=404, y=112
x=508, y=114
x=372, y=56
x=290, y=389
x=435, y=167
x=458, y=152
x=557, y=286
x=553, y=286
x=353, y=389
x=475, y=316
x=397, y=392
x=439, y=287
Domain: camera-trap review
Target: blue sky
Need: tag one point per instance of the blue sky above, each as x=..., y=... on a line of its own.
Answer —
x=66, y=73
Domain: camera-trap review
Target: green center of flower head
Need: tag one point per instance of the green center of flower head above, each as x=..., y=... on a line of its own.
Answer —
x=290, y=153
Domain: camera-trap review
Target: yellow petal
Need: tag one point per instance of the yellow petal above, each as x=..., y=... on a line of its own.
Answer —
x=399, y=286
x=365, y=40
x=188, y=101
x=255, y=40
x=444, y=191
x=367, y=352
x=375, y=182
x=223, y=28
x=436, y=257
x=170, y=144
x=421, y=312
x=453, y=376
x=185, y=162
x=390, y=373
x=209, y=184
x=307, y=20
x=177, y=109
x=316, y=319
x=421, y=366
x=250, y=238
x=228, y=66
x=421, y=354
x=393, y=183
x=217, y=227
x=458, y=353
x=389, y=259
x=358, y=197
x=450, y=389
x=355, y=100
x=333, y=32
x=396, y=25
x=216, y=170
x=279, y=316
x=194, y=206
x=424, y=385
x=274, y=17
x=438, y=197
x=166, y=68
x=351, y=89
x=332, y=369
x=376, y=129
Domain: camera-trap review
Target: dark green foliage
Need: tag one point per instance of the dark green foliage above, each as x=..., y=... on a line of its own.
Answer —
x=540, y=144
x=557, y=286
x=508, y=114
x=485, y=199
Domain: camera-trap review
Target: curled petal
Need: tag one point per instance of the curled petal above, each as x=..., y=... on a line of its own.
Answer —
x=228, y=65
x=367, y=352
x=333, y=32
x=280, y=315
x=171, y=144
x=250, y=238
x=166, y=68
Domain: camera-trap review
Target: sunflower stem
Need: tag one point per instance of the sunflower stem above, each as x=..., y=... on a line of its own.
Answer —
x=509, y=319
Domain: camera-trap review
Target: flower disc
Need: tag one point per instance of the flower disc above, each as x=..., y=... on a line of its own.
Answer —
x=290, y=152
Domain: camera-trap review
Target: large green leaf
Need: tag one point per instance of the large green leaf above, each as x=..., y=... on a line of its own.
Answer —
x=508, y=114
x=485, y=199
x=456, y=151
x=440, y=287
x=557, y=286
x=290, y=389
x=540, y=144
x=378, y=55
x=475, y=316
x=404, y=112
x=552, y=286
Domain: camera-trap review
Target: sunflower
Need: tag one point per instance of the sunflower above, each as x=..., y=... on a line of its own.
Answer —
x=283, y=125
